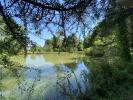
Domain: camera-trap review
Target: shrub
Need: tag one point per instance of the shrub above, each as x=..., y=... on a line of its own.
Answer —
x=94, y=51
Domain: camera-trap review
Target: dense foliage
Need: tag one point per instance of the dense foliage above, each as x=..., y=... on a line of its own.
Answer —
x=57, y=44
x=8, y=43
x=115, y=39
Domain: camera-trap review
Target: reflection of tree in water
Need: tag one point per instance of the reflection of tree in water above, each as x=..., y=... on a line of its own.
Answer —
x=61, y=58
x=33, y=57
x=71, y=85
x=68, y=83
x=71, y=65
x=13, y=80
x=65, y=68
x=21, y=85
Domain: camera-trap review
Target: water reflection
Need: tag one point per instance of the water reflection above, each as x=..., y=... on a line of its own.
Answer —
x=44, y=77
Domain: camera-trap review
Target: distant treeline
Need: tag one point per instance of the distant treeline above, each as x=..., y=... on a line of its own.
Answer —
x=60, y=44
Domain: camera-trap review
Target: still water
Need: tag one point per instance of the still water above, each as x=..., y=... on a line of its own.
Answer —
x=45, y=77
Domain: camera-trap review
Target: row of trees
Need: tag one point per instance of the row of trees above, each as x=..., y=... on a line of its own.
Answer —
x=68, y=44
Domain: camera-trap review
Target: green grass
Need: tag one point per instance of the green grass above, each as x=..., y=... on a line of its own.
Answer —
x=9, y=84
x=18, y=59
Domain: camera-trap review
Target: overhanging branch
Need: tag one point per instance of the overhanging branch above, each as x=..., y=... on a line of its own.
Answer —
x=59, y=7
x=14, y=34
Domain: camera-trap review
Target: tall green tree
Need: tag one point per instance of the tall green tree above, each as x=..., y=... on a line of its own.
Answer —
x=80, y=46
x=7, y=42
x=33, y=48
x=56, y=43
x=72, y=42
x=48, y=45
x=120, y=20
x=123, y=40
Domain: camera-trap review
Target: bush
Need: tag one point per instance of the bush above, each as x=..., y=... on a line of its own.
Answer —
x=89, y=51
x=94, y=51
x=108, y=81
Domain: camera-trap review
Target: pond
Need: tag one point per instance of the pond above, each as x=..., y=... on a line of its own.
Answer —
x=44, y=77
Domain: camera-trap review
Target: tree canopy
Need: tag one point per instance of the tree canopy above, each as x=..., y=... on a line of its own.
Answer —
x=64, y=14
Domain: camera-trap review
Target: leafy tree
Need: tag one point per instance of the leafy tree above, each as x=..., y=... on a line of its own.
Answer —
x=36, y=49
x=48, y=45
x=117, y=24
x=39, y=49
x=56, y=42
x=72, y=42
x=120, y=21
x=7, y=42
x=33, y=48
x=80, y=46
x=123, y=41
x=130, y=30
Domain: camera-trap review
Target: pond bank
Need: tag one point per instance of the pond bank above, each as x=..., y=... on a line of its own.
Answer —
x=79, y=52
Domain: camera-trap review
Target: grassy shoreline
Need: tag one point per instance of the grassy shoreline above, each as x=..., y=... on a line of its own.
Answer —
x=79, y=52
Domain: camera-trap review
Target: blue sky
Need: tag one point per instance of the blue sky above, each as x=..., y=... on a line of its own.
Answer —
x=40, y=40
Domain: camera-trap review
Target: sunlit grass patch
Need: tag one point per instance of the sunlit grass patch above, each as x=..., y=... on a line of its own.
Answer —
x=18, y=59
x=9, y=83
